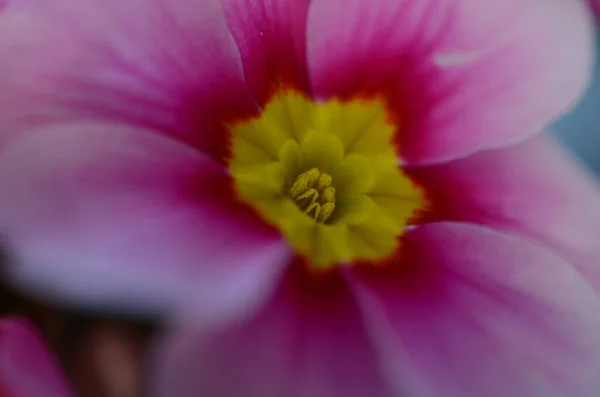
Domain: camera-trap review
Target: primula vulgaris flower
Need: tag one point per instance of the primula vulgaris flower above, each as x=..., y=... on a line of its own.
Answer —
x=303, y=173
x=26, y=367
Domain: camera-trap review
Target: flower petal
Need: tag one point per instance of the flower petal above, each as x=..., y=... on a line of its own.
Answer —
x=167, y=65
x=107, y=215
x=532, y=189
x=309, y=341
x=271, y=36
x=473, y=312
x=596, y=7
x=26, y=367
x=461, y=75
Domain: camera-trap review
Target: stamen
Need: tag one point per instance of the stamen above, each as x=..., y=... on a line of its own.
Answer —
x=324, y=181
x=309, y=193
x=304, y=182
x=326, y=211
x=314, y=195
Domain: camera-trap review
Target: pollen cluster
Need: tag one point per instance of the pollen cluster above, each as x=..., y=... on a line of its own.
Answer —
x=313, y=193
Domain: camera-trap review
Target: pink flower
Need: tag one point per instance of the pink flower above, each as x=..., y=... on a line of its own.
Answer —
x=328, y=183
x=26, y=367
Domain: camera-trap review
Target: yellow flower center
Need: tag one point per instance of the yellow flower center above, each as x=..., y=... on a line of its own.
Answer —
x=327, y=175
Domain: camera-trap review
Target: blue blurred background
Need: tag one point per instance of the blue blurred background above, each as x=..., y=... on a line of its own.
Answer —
x=580, y=129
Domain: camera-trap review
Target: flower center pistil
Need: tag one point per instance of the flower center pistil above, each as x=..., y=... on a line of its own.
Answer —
x=313, y=194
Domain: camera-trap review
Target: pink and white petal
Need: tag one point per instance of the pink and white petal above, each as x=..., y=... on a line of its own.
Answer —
x=167, y=65
x=271, y=36
x=533, y=189
x=474, y=312
x=26, y=367
x=107, y=215
x=309, y=341
x=460, y=75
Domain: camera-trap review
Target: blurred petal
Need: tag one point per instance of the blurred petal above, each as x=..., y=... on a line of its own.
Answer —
x=168, y=65
x=461, y=75
x=271, y=36
x=26, y=367
x=596, y=7
x=108, y=215
x=473, y=312
x=308, y=341
x=533, y=189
